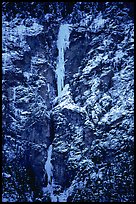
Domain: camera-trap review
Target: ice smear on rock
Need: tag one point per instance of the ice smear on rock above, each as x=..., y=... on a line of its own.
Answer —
x=48, y=165
x=48, y=169
x=62, y=197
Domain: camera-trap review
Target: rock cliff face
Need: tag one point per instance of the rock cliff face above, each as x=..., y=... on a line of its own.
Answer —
x=90, y=124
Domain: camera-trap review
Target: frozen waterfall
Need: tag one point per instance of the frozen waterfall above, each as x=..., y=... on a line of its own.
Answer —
x=62, y=44
x=62, y=197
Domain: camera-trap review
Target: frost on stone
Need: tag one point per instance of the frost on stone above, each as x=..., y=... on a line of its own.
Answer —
x=93, y=63
x=118, y=55
x=27, y=75
x=95, y=176
x=36, y=60
x=113, y=115
x=98, y=23
x=62, y=147
x=5, y=175
x=17, y=35
x=48, y=16
x=68, y=103
x=35, y=29
x=105, y=101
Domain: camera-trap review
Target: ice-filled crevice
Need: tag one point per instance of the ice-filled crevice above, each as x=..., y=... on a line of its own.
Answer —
x=49, y=171
x=48, y=165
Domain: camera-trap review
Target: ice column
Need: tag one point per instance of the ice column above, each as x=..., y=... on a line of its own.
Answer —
x=62, y=44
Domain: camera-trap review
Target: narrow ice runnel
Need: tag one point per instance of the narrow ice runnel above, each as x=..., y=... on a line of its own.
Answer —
x=49, y=171
x=62, y=44
x=48, y=165
x=62, y=197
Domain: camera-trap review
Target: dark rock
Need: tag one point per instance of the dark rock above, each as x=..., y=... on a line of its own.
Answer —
x=106, y=81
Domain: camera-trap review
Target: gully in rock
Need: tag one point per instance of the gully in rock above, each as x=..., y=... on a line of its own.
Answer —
x=62, y=44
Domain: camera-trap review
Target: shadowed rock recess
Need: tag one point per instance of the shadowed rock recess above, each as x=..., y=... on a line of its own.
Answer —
x=78, y=146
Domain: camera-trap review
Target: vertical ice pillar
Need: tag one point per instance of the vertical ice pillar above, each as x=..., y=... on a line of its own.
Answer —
x=62, y=44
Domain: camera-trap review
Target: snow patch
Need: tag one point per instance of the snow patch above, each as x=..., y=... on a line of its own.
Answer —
x=98, y=23
x=5, y=175
x=27, y=75
x=37, y=61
